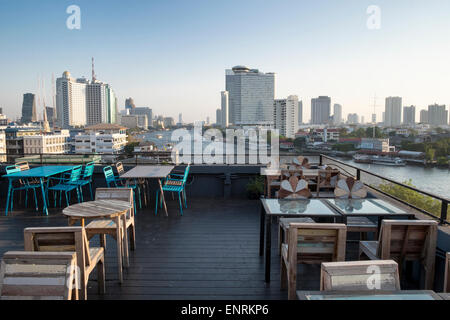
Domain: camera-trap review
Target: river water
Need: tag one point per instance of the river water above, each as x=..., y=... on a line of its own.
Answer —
x=434, y=180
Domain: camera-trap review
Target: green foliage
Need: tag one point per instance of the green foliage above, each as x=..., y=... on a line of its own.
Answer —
x=344, y=147
x=415, y=198
x=433, y=150
x=442, y=161
x=362, y=133
x=300, y=142
x=129, y=148
x=255, y=187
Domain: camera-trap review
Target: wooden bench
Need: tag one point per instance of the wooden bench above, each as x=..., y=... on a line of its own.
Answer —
x=38, y=276
x=359, y=276
x=310, y=243
x=405, y=240
x=70, y=239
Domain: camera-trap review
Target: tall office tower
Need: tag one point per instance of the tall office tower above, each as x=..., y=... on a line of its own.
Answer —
x=285, y=115
x=219, y=117
x=251, y=94
x=362, y=119
x=29, y=108
x=409, y=115
x=143, y=111
x=100, y=103
x=224, y=106
x=393, y=111
x=437, y=115
x=180, y=119
x=320, y=110
x=71, y=101
x=337, y=114
x=352, y=118
x=423, y=116
x=129, y=104
x=50, y=113
x=300, y=112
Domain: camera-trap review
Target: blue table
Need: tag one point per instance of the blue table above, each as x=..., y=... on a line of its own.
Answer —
x=41, y=173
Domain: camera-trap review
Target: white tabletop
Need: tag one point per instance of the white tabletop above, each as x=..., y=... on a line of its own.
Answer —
x=148, y=172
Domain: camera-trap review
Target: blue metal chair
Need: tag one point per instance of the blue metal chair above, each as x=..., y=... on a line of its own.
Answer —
x=175, y=183
x=23, y=184
x=86, y=179
x=113, y=182
x=67, y=185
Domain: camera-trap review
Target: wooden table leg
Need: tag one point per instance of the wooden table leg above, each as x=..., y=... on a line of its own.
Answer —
x=119, y=248
x=125, y=241
x=162, y=197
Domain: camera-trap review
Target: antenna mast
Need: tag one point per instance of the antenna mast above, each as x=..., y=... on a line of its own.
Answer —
x=93, y=72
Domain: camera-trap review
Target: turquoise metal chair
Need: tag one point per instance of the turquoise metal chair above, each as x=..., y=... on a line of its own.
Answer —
x=86, y=179
x=175, y=183
x=113, y=182
x=67, y=185
x=23, y=184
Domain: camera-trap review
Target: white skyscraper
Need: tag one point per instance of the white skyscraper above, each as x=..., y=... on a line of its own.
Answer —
x=251, y=95
x=409, y=115
x=393, y=112
x=337, y=114
x=437, y=115
x=224, y=108
x=285, y=115
x=70, y=101
x=320, y=110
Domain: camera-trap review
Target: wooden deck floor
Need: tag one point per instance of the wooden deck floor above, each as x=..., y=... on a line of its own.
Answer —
x=209, y=253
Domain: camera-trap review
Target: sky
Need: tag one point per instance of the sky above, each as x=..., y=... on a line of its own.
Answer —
x=171, y=55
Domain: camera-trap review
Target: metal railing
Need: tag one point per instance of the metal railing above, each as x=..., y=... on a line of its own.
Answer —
x=368, y=178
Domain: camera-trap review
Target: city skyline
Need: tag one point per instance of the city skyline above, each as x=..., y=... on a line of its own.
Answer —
x=180, y=51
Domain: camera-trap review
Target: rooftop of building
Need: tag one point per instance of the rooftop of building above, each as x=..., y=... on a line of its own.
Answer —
x=105, y=126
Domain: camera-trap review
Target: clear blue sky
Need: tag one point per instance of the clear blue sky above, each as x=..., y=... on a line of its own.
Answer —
x=172, y=55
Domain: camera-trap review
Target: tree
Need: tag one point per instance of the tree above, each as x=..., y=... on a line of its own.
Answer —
x=300, y=142
x=430, y=154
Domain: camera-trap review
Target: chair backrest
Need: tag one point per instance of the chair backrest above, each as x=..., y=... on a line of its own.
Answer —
x=12, y=169
x=328, y=176
x=403, y=240
x=124, y=194
x=350, y=188
x=88, y=170
x=317, y=242
x=360, y=276
x=447, y=273
x=23, y=165
x=301, y=161
x=109, y=176
x=120, y=169
x=38, y=275
x=287, y=173
x=294, y=189
x=59, y=239
x=186, y=173
x=75, y=174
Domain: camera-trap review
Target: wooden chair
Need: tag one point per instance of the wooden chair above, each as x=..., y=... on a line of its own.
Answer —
x=102, y=227
x=38, y=276
x=447, y=273
x=359, y=276
x=310, y=243
x=405, y=240
x=70, y=239
x=327, y=179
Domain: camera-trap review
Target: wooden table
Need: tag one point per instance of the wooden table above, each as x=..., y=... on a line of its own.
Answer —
x=308, y=208
x=369, y=295
x=150, y=172
x=106, y=209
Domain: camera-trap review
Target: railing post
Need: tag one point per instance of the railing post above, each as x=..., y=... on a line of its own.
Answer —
x=444, y=208
x=320, y=160
x=40, y=156
x=358, y=174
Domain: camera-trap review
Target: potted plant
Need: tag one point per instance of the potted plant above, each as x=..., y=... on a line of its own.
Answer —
x=255, y=188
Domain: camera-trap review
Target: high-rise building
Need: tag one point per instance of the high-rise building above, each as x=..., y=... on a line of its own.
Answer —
x=143, y=111
x=409, y=115
x=100, y=103
x=352, y=118
x=337, y=114
x=224, y=106
x=180, y=119
x=285, y=115
x=219, y=117
x=393, y=111
x=423, y=116
x=71, y=101
x=437, y=115
x=29, y=108
x=129, y=104
x=300, y=112
x=362, y=120
x=251, y=95
x=51, y=115
x=134, y=121
x=320, y=110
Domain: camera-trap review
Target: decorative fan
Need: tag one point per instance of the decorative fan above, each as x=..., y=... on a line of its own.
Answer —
x=328, y=177
x=294, y=189
x=301, y=161
x=291, y=172
x=350, y=188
